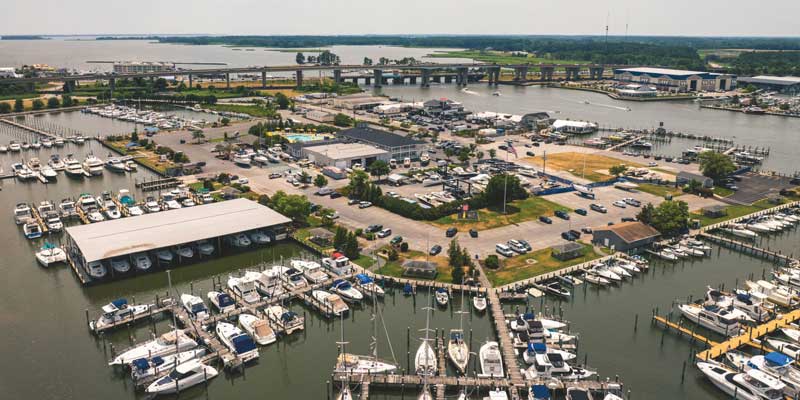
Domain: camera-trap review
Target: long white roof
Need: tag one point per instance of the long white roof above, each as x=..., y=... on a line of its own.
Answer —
x=130, y=235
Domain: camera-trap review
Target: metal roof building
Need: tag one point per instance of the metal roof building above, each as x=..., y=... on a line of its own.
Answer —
x=100, y=241
x=676, y=79
x=398, y=146
x=783, y=84
x=344, y=155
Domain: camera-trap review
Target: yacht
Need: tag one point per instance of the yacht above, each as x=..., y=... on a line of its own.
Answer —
x=73, y=168
x=258, y=329
x=331, y=302
x=164, y=255
x=34, y=164
x=596, y=279
x=115, y=165
x=111, y=210
x=195, y=307
x=88, y=205
x=777, y=294
x=118, y=312
x=311, y=270
x=442, y=297
x=93, y=165
x=791, y=349
x=120, y=264
x=22, y=213
x=534, y=349
x=50, y=254
x=14, y=147
x=491, y=360
x=346, y=290
x=184, y=376
x=775, y=364
x=368, y=285
x=244, y=290
x=755, y=308
x=55, y=163
x=205, y=248
x=141, y=261
x=32, y=229
x=285, y=320
x=171, y=204
x=145, y=369
x=222, y=301
x=458, y=350
x=293, y=278
x=750, y=385
x=152, y=206
x=479, y=302
x=242, y=159
x=96, y=269
x=188, y=202
x=425, y=361
x=724, y=321
x=22, y=172
x=53, y=221
x=169, y=343
x=268, y=283
x=259, y=237
x=552, y=365
x=48, y=173
x=556, y=289
x=239, y=343
x=135, y=211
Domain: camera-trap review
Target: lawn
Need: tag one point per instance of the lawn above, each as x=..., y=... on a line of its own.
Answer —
x=519, y=267
x=593, y=167
x=517, y=211
x=499, y=57
x=254, y=110
x=733, y=211
x=660, y=190
x=146, y=158
x=395, y=268
x=722, y=191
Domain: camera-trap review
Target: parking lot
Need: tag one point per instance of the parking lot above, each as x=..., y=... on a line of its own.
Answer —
x=754, y=187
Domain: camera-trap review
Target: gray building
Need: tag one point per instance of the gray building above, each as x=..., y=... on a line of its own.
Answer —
x=398, y=147
x=535, y=120
x=625, y=236
x=784, y=84
x=344, y=155
x=684, y=178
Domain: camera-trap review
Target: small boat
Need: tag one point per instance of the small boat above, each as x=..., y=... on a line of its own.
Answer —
x=120, y=264
x=50, y=254
x=188, y=202
x=239, y=240
x=311, y=270
x=3, y=148
x=239, y=343
x=118, y=312
x=47, y=143
x=141, y=261
x=67, y=208
x=293, y=278
x=96, y=269
x=331, y=302
x=169, y=343
x=48, y=173
x=552, y=365
x=152, y=206
x=115, y=165
x=195, y=307
x=529, y=355
x=242, y=159
x=774, y=364
x=259, y=237
x=425, y=359
x=368, y=285
x=184, y=376
x=36, y=145
x=257, y=328
x=222, y=301
x=14, y=147
x=244, y=289
x=26, y=145
x=135, y=211
x=22, y=213
x=59, y=142
x=164, y=255
x=34, y=164
x=53, y=221
x=556, y=289
x=144, y=369
x=346, y=290
x=32, y=229
x=204, y=247
x=345, y=393
x=111, y=210
x=408, y=290
x=750, y=385
x=287, y=321
x=570, y=280
x=574, y=393
x=93, y=165
x=596, y=279
x=184, y=251
x=442, y=297
x=479, y=302
x=457, y=350
x=539, y=392
x=789, y=348
x=491, y=361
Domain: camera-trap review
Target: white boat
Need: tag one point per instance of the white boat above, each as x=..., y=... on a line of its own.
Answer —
x=222, y=301
x=257, y=328
x=3, y=148
x=668, y=255
x=268, y=283
x=753, y=306
x=164, y=255
x=120, y=264
x=144, y=369
x=184, y=376
x=596, y=279
x=555, y=288
x=368, y=285
x=141, y=261
x=14, y=147
x=184, y=251
x=96, y=269
x=601, y=271
x=47, y=143
x=791, y=349
x=442, y=297
x=345, y=393
x=172, y=204
x=48, y=173
x=93, y=165
x=458, y=350
x=188, y=202
x=166, y=344
x=293, y=278
x=34, y=164
x=331, y=302
x=479, y=302
x=67, y=208
x=239, y=240
x=73, y=168
x=713, y=317
x=491, y=361
x=59, y=142
x=111, y=210
x=259, y=237
x=115, y=165
x=311, y=270
x=774, y=364
x=88, y=205
x=529, y=355
x=50, y=254
x=22, y=213
x=242, y=159
x=750, y=385
x=346, y=290
x=239, y=343
x=152, y=206
x=362, y=365
x=244, y=290
x=135, y=211
x=195, y=307
x=118, y=312
x=574, y=393
x=53, y=221
x=791, y=333
x=285, y=320
x=205, y=248
x=425, y=359
x=776, y=294
x=552, y=365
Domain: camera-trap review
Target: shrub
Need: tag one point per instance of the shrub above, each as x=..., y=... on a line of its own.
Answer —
x=492, y=262
x=393, y=256
x=404, y=247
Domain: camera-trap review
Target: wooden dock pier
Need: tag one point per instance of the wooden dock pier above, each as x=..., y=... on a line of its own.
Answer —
x=746, y=248
x=28, y=128
x=149, y=185
x=749, y=337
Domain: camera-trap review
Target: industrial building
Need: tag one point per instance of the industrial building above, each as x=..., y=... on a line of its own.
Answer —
x=148, y=233
x=360, y=101
x=574, y=127
x=626, y=236
x=789, y=85
x=319, y=116
x=344, y=155
x=398, y=147
x=442, y=106
x=8, y=72
x=138, y=67
x=675, y=80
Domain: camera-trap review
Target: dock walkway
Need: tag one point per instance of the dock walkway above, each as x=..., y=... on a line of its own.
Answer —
x=749, y=337
x=28, y=128
x=750, y=249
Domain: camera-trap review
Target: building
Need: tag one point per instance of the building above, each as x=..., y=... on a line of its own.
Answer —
x=566, y=251
x=789, y=85
x=398, y=147
x=535, y=120
x=625, y=236
x=319, y=116
x=675, y=80
x=124, y=237
x=715, y=211
x=142, y=67
x=344, y=155
x=359, y=101
x=636, y=91
x=684, y=178
x=8, y=72
x=442, y=106
x=574, y=127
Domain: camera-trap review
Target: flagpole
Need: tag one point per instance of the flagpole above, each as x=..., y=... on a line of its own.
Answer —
x=505, y=181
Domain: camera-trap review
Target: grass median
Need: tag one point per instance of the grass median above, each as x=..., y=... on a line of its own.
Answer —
x=516, y=212
x=732, y=211
x=535, y=263
x=395, y=268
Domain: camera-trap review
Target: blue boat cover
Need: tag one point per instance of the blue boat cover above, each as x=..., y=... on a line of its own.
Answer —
x=119, y=303
x=288, y=316
x=198, y=308
x=157, y=361
x=537, y=347
x=243, y=343
x=407, y=289
x=141, y=364
x=540, y=392
x=456, y=335
x=364, y=279
x=342, y=284
x=441, y=290
x=224, y=300
x=744, y=298
x=528, y=316
x=777, y=358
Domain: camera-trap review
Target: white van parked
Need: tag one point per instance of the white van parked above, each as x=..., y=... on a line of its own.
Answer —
x=517, y=246
x=503, y=250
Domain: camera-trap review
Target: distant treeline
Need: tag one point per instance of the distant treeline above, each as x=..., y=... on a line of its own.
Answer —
x=22, y=37
x=767, y=63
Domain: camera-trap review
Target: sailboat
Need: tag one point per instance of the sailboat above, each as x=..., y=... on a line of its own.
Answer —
x=425, y=359
x=345, y=393
x=357, y=364
x=457, y=349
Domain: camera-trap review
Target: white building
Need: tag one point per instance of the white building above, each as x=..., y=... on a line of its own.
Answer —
x=344, y=155
x=675, y=80
x=8, y=72
x=574, y=127
x=635, y=90
x=142, y=67
x=319, y=116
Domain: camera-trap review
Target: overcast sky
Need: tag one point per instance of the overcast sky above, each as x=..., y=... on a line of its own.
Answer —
x=293, y=17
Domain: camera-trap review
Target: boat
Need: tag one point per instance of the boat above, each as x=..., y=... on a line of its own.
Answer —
x=425, y=363
x=47, y=143
x=311, y=270
x=67, y=208
x=491, y=361
x=458, y=350
x=791, y=349
x=244, y=290
x=14, y=147
x=222, y=301
x=34, y=164
x=184, y=251
x=259, y=237
x=239, y=343
x=32, y=230
x=152, y=206
x=93, y=165
x=479, y=302
x=204, y=247
x=59, y=141
x=529, y=355
x=242, y=159
x=195, y=307
x=750, y=385
x=96, y=269
x=22, y=213
x=724, y=321
x=53, y=221
x=596, y=279
x=50, y=254
x=601, y=271
x=442, y=297
x=332, y=303
x=539, y=392
x=574, y=393
x=145, y=369
x=791, y=333
x=552, y=365
x=570, y=280
x=346, y=290
x=22, y=172
x=285, y=320
x=88, y=205
x=118, y=312
x=345, y=393
x=141, y=261
x=188, y=202
x=755, y=309
x=184, y=376
x=292, y=277
x=257, y=328
x=3, y=148
x=168, y=343
x=164, y=255
x=135, y=211
x=239, y=240
x=367, y=284
x=120, y=264
x=73, y=167
x=556, y=289
x=115, y=165
x=776, y=294
x=111, y=210
x=774, y=364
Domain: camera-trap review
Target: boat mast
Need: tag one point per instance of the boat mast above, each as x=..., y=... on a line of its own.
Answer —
x=174, y=322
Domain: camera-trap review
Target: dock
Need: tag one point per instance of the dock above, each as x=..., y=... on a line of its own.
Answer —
x=149, y=185
x=749, y=249
x=28, y=128
x=749, y=337
x=517, y=286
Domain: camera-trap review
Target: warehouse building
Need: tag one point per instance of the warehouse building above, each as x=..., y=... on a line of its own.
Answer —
x=574, y=127
x=789, y=85
x=398, y=147
x=675, y=80
x=135, y=67
x=344, y=155
x=360, y=101
x=626, y=236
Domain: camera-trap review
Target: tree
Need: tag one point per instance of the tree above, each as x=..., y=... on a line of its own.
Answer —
x=340, y=238
x=393, y=256
x=328, y=58
x=670, y=217
x=160, y=85
x=463, y=155
x=53, y=102
x=716, y=165
x=19, y=105
x=693, y=186
x=379, y=168
x=320, y=181
x=305, y=177
x=135, y=137
x=225, y=121
x=282, y=100
x=5, y=108
x=66, y=101
x=618, y=169
x=367, y=61
x=326, y=214
x=500, y=184
x=198, y=135
x=351, y=250
x=646, y=213
x=479, y=155
x=492, y=153
x=342, y=120
x=492, y=261
x=359, y=182
x=294, y=206
x=38, y=104
x=300, y=58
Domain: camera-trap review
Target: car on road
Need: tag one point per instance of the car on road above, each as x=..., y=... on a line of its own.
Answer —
x=451, y=232
x=632, y=202
x=473, y=233
x=333, y=215
x=580, y=211
x=598, y=207
x=530, y=154
x=243, y=181
x=274, y=175
x=525, y=244
x=384, y=233
x=393, y=194
x=324, y=191
x=396, y=240
x=619, y=203
x=436, y=249
x=562, y=214
x=335, y=195
x=374, y=228
x=545, y=219
x=351, y=202
x=628, y=219
x=503, y=250
x=652, y=164
x=567, y=236
x=516, y=246
x=574, y=233
x=364, y=204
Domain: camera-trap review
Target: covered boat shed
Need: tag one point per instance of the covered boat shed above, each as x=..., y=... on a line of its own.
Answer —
x=166, y=229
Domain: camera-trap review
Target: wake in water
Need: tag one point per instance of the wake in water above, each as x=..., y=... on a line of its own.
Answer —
x=467, y=91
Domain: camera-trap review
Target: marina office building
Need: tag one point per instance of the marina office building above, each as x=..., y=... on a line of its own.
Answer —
x=344, y=155
x=675, y=80
x=168, y=229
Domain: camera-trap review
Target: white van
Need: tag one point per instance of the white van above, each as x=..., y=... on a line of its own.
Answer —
x=503, y=250
x=406, y=162
x=517, y=246
x=393, y=163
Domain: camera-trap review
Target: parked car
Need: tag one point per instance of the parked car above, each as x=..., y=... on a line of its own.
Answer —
x=628, y=219
x=580, y=211
x=525, y=244
x=567, y=236
x=324, y=191
x=545, y=219
x=374, y=228
x=384, y=233
x=619, y=203
x=503, y=250
x=350, y=202
x=562, y=214
x=530, y=154
x=396, y=240
x=436, y=249
x=598, y=207
x=274, y=175
x=586, y=230
x=632, y=202
x=516, y=246
x=473, y=233
x=364, y=204
x=335, y=195
x=451, y=232
x=574, y=233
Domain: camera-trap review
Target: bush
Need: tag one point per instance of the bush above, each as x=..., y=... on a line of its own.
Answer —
x=359, y=231
x=492, y=262
x=404, y=247
x=369, y=236
x=393, y=256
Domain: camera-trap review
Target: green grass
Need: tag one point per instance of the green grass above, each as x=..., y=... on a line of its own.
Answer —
x=517, y=211
x=517, y=268
x=395, y=268
x=500, y=57
x=218, y=92
x=660, y=190
x=733, y=211
x=19, y=96
x=254, y=110
x=722, y=192
x=364, y=261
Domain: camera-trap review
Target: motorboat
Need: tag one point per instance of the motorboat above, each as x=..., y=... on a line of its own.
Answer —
x=141, y=261
x=115, y=165
x=242, y=159
x=26, y=145
x=725, y=321
x=120, y=264
x=285, y=320
x=53, y=221
x=36, y=145
x=259, y=237
x=458, y=350
x=22, y=172
x=96, y=269
x=73, y=168
x=204, y=247
x=596, y=279
x=14, y=147
x=244, y=290
x=539, y=392
x=491, y=361
x=268, y=283
x=168, y=343
x=791, y=333
x=22, y=213
x=574, y=393
x=549, y=324
x=337, y=263
x=755, y=309
x=164, y=255
x=257, y=328
x=118, y=312
x=145, y=369
x=32, y=230
x=667, y=254
x=50, y=254
x=776, y=294
x=570, y=280
x=556, y=289
x=425, y=359
x=48, y=173
x=346, y=290
x=93, y=165
x=47, y=143
x=195, y=307
x=67, y=208
x=88, y=205
x=775, y=364
x=529, y=355
x=331, y=302
x=111, y=210
x=34, y=164
x=311, y=270
x=222, y=301
x=59, y=141
x=172, y=204
x=188, y=202
x=601, y=271
x=152, y=206
x=292, y=277
x=239, y=343
x=791, y=349
x=368, y=285
x=552, y=365
x=479, y=302
x=239, y=240
x=750, y=385
x=519, y=324
x=135, y=211
x=184, y=376
x=184, y=251
x=442, y=297
x=345, y=393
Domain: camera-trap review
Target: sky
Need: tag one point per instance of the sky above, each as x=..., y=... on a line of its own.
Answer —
x=314, y=17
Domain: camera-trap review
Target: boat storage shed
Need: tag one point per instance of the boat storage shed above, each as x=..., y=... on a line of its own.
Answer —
x=165, y=229
x=627, y=236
